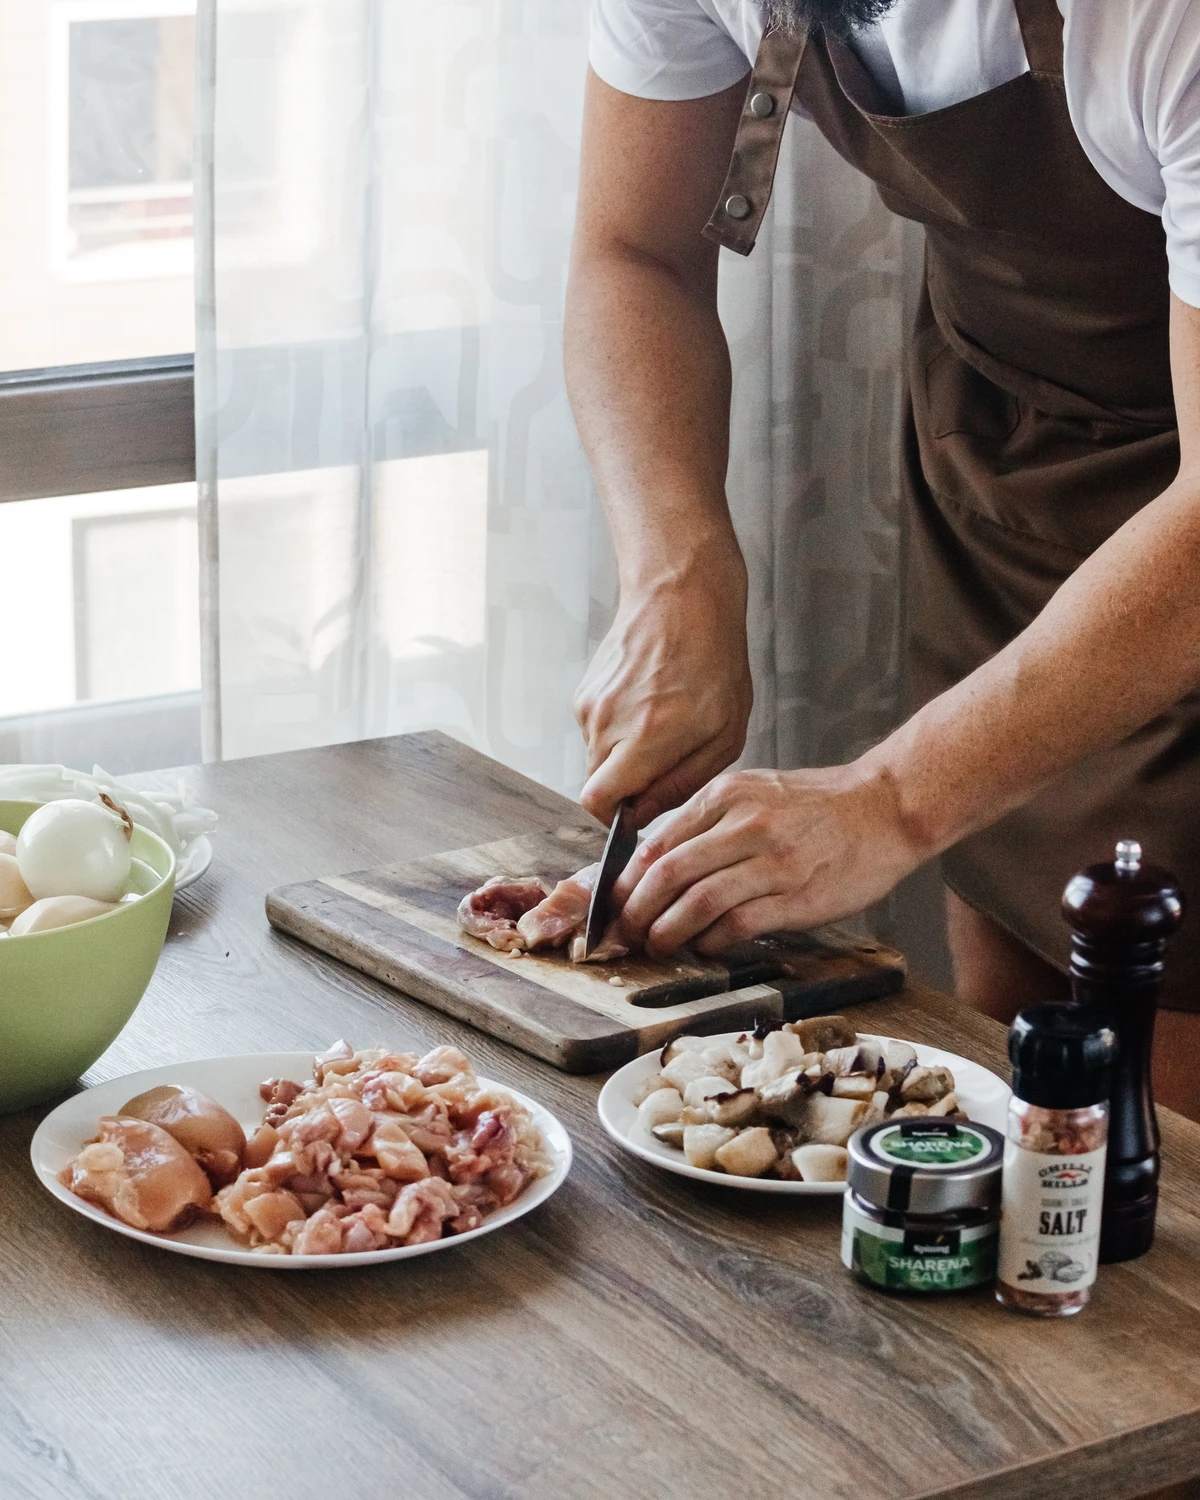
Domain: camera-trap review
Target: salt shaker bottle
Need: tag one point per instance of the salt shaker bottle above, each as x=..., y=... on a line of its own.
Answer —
x=1054, y=1154
x=1122, y=915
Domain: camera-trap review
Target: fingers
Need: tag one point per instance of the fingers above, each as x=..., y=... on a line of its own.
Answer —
x=625, y=773
x=697, y=816
x=692, y=773
x=707, y=903
x=751, y=919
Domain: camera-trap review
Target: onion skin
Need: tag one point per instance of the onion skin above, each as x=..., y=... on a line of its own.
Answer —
x=204, y=1128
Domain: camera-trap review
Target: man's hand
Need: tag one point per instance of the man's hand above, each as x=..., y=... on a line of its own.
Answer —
x=666, y=701
x=767, y=851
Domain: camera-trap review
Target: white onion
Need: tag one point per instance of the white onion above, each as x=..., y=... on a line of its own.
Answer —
x=57, y=911
x=15, y=896
x=8, y=842
x=74, y=848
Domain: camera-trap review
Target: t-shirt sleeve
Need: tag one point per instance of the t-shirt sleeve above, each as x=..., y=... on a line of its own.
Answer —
x=663, y=49
x=1177, y=121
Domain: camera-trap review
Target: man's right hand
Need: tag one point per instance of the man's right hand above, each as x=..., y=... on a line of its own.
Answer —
x=665, y=704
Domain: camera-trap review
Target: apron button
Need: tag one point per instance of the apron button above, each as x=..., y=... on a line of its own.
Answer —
x=762, y=106
x=737, y=207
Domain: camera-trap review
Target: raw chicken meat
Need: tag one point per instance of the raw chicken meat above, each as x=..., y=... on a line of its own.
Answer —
x=493, y=911
x=140, y=1174
x=382, y=1149
x=556, y=920
x=563, y=913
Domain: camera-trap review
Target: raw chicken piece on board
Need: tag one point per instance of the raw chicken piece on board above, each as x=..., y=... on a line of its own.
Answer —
x=493, y=911
x=555, y=920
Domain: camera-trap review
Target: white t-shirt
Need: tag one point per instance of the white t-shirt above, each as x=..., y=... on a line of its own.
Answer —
x=1132, y=71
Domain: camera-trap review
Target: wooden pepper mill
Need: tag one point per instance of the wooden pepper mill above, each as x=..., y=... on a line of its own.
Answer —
x=1122, y=915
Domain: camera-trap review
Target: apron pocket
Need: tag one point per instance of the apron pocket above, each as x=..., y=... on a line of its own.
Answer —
x=961, y=401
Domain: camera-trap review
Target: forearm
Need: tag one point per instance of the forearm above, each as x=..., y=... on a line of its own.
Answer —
x=1118, y=644
x=649, y=379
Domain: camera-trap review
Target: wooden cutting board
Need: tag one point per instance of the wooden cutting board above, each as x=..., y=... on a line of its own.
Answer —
x=398, y=924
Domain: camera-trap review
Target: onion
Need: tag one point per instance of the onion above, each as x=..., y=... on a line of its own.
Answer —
x=75, y=848
x=57, y=911
x=15, y=895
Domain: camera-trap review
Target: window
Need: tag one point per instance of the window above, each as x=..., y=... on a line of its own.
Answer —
x=97, y=451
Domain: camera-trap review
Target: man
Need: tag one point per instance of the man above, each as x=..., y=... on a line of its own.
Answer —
x=1052, y=464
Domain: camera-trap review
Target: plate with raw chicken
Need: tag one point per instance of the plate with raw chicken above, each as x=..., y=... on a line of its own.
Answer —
x=772, y=1110
x=286, y=1162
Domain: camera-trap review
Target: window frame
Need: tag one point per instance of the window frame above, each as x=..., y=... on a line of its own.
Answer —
x=80, y=429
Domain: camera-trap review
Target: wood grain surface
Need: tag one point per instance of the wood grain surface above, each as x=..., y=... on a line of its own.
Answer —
x=399, y=923
x=640, y=1335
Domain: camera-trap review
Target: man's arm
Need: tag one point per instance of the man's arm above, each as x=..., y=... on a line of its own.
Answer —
x=665, y=704
x=1118, y=644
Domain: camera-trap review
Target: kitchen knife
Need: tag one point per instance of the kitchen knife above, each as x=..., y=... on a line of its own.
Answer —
x=618, y=851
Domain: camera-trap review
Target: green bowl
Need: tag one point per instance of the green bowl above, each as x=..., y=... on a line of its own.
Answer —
x=64, y=995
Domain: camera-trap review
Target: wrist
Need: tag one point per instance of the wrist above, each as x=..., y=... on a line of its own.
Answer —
x=923, y=814
x=704, y=554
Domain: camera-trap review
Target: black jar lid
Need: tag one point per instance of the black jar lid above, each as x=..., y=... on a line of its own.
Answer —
x=1062, y=1056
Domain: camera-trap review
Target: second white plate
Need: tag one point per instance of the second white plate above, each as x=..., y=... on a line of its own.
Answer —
x=983, y=1096
x=233, y=1082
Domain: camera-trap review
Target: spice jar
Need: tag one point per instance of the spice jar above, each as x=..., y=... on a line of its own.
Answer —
x=1054, y=1159
x=922, y=1205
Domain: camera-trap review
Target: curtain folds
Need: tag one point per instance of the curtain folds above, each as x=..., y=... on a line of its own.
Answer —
x=407, y=533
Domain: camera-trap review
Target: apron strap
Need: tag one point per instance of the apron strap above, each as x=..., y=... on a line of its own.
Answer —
x=1041, y=25
x=738, y=216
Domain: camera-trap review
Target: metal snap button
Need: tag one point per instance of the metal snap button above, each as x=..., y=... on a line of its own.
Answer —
x=737, y=207
x=762, y=106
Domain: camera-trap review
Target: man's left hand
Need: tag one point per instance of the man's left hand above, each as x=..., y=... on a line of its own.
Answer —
x=766, y=851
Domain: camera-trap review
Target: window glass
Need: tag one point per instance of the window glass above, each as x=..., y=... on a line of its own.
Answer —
x=102, y=592
x=96, y=112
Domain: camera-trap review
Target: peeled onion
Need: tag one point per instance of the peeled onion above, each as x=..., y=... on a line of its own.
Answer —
x=204, y=1128
x=75, y=848
x=58, y=911
x=8, y=842
x=15, y=895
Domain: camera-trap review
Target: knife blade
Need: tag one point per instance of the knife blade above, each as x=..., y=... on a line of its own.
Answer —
x=618, y=851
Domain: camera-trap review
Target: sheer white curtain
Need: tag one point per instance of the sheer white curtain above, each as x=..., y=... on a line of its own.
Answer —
x=400, y=531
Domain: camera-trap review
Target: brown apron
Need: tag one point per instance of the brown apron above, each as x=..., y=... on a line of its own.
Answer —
x=1040, y=419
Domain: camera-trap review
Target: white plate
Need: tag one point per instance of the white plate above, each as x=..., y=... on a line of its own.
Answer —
x=193, y=862
x=233, y=1082
x=982, y=1094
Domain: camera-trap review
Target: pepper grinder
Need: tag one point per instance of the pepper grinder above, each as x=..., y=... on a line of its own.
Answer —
x=1122, y=915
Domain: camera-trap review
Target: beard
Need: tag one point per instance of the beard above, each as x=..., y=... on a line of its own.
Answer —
x=840, y=17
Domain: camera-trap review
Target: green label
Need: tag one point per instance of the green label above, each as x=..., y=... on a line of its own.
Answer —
x=933, y=1148
x=919, y=1260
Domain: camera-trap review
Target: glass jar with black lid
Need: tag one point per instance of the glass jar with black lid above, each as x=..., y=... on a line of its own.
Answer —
x=922, y=1206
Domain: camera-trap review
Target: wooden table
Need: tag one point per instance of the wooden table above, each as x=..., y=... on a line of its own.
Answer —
x=638, y=1336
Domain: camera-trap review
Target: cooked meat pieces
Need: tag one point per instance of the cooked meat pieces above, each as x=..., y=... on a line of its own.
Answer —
x=493, y=911
x=140, y=1174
